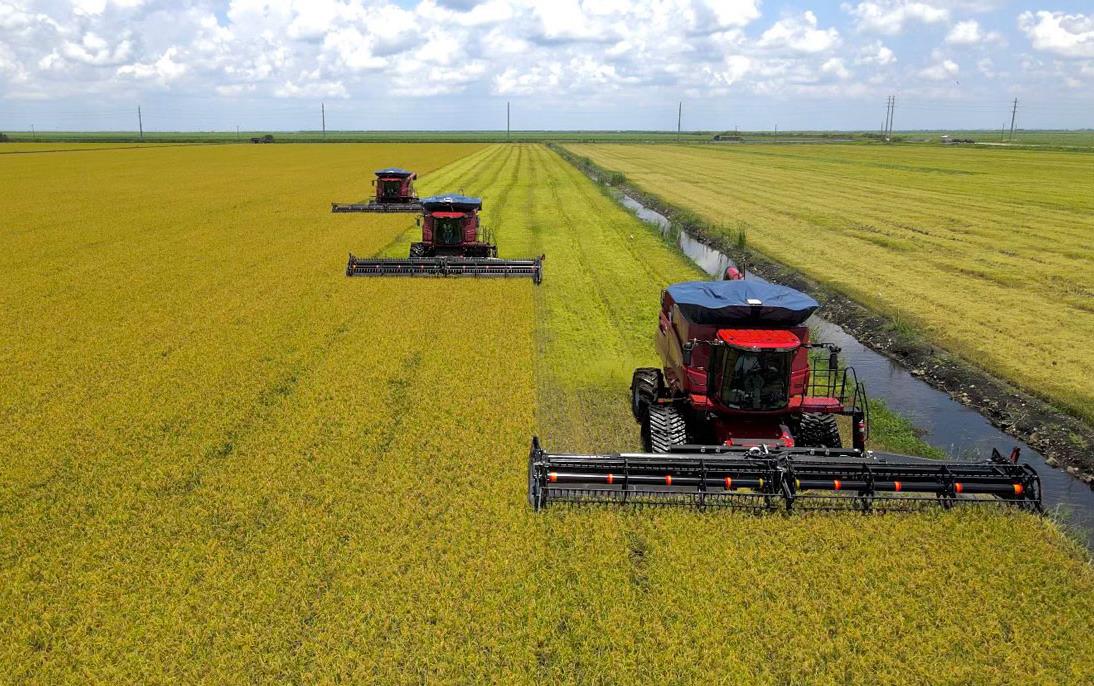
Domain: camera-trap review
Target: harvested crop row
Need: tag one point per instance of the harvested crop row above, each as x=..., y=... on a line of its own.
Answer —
x=988, y=252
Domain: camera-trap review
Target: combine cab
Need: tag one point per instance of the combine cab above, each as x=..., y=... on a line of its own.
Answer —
x=453, y=244
x=743, y=414
x=394, y=193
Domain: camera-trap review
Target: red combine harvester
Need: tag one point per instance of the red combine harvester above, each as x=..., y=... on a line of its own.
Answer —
x=742, y=415
x=453, y=244
x=737, y=372
x=394, y=193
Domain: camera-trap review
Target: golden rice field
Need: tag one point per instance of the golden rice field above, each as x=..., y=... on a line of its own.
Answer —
x=225, y=462
x=989, y=252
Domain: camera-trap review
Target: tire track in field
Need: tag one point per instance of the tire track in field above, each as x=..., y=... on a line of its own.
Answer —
x=578, y=256
x=597, y=282
x=624, y=227
x=610, y=223
x=468, y=168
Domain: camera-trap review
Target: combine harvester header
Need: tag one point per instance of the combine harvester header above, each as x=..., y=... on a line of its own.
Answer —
x=453, y=244
x=783, y=478
x=742, y=415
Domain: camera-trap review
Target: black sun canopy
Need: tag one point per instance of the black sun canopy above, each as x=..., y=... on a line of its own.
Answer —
x=741, y=303
x=453, y=203
x=394, y=171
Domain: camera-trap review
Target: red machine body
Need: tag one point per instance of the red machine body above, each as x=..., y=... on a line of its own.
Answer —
x=744, y=384
x=394, y=193
x=395, y=186
x=450, y=227
x=453, y=243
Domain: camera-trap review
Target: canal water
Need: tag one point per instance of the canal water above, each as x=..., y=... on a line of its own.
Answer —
x=945, y=423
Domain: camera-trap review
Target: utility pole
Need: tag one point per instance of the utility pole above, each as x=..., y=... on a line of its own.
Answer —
x=1013, y=114
x=323, y=111
x=892, y=113
x=140, y=122
x=237, y=132
x=776, y=129
x=33, y=133
x=888, y=119
x=507, y=132
x=679, y=120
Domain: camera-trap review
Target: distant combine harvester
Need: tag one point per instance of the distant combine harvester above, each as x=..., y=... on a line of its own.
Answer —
x=263, y=139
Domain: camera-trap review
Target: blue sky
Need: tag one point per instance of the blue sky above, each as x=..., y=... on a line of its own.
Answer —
x=564, y=64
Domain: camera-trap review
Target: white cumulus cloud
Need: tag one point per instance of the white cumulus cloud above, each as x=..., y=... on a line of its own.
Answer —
x=941, y=70
x=835, y=67
x=799, y=34
x=969, y=32
x=890, y=17
x=559, y=54
x=1067, y=35
x=163, y=70
x=875, y=53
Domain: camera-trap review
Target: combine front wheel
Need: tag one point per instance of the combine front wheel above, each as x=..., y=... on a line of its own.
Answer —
x=646, y=385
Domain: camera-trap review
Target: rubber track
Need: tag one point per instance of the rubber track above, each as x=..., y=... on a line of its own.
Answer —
x=819, y=430
x=667, y=428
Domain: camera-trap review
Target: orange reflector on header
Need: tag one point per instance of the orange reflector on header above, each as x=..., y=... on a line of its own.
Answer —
x=668, y=479
x=959, y=487
x=611, y=478
x=552, y=477
x=1018, y=489
x=896, y=486
x=836, y=484
x=729, y=483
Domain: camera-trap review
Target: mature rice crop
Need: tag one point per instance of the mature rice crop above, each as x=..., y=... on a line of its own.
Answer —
x=225, y=462
x=988, y=252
